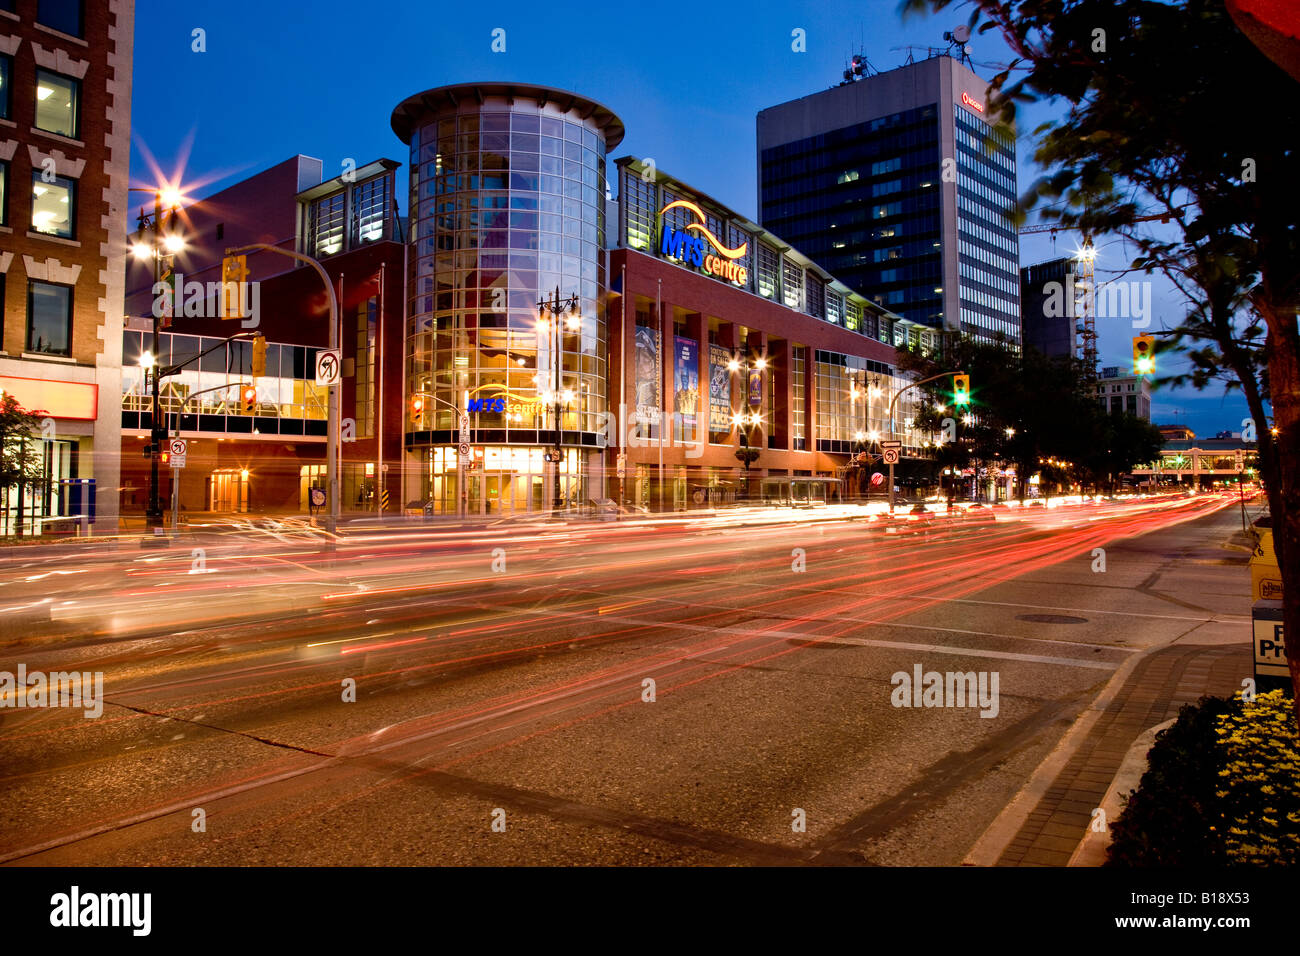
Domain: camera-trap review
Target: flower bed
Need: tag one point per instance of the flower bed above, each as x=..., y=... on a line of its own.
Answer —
x=1222, y=788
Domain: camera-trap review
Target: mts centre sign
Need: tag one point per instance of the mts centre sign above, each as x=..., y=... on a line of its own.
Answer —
x=696, y=246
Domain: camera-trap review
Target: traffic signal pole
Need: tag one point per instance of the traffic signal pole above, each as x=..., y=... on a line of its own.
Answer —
x=892, y=403
x=332, y=450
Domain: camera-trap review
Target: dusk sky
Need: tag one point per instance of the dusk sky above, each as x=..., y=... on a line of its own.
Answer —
x=281, y=77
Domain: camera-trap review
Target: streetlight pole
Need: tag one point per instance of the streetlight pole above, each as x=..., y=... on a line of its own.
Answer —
x=549, y=312
x=157, y=247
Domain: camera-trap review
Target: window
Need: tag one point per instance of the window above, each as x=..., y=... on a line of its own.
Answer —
x=6, y=72
x=49, y=318
x=326, y=237
x=4, y=194
x=369, y=209
x=58, y=100
x=54, y=206
x=62, y=15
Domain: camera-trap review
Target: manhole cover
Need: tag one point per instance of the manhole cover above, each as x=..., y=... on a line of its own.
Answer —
x=1051, y=619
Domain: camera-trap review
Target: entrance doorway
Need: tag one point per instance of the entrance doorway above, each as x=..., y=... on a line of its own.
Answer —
x=228, y=491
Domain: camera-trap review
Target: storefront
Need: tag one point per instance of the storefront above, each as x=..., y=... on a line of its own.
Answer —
x=507, y=274
x=742, y=370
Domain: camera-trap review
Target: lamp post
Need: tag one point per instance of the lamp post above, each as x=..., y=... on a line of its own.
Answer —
x=550, y=313
x=158, y=246
x=742, y=421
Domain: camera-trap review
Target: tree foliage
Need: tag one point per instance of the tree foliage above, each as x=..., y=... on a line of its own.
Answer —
x=1170, y=110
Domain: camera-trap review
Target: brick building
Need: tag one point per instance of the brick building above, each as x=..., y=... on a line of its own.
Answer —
x=65, y=110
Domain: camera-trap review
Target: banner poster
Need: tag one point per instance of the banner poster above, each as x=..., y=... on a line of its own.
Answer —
x=647, y=375
x=755, y=388
x=686, y=384
x=719, y=389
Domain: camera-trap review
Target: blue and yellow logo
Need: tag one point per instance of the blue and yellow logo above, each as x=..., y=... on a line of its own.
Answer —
x=693, y=250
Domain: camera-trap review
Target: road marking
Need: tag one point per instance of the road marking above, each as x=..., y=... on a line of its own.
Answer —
x=904, y=645
x=1216, y=618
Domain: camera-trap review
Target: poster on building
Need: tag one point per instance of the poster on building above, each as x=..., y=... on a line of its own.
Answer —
x=755, y=388
x=686, y=385
x=647, y=376
x=719, y=389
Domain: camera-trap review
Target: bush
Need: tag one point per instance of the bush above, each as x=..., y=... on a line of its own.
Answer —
x=1222, y=788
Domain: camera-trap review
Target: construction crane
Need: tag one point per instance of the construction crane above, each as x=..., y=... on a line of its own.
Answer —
x=1086, y=327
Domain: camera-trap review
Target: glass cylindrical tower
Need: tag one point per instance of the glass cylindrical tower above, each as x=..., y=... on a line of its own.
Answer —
x=507, y=209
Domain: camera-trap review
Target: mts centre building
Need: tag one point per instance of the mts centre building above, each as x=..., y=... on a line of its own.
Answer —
x=566, y=345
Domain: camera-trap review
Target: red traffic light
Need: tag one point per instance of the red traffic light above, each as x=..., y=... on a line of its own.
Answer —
x=249, y=394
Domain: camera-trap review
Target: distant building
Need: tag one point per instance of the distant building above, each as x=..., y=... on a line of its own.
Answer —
x=1117, y=392
x=1176, y=432
x=897, y=185
x=1047, y=310
x=267, y=456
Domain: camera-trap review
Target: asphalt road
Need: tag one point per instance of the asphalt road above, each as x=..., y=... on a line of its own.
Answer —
x=715, y=690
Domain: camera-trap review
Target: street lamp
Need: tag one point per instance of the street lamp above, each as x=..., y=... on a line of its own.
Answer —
x=551, y=313
x=739, y=419
x=155, y=238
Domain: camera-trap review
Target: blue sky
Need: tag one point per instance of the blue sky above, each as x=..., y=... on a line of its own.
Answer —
x=281, y=77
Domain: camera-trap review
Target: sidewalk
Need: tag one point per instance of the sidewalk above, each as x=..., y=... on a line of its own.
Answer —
x=1155, y=690
x=1047, y=822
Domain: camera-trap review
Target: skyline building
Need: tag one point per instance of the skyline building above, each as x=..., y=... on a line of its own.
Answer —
x=896, y=184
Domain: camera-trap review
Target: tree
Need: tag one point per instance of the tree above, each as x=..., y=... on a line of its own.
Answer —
x=1172, y=111
x=21, y=464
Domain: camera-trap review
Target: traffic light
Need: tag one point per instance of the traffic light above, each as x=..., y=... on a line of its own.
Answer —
x=247, y=399
x=417, y=406
x=961, y=389
x=148, y=449
x=234, y=272
x=259, y=355
x=1144, y=354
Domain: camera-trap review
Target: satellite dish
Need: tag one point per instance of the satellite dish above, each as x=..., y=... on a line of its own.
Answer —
x=961, y=34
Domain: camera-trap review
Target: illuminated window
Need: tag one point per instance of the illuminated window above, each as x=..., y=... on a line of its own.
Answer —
x=369, y=209
x=54, y=206
x=58, y=102
x=326, y=225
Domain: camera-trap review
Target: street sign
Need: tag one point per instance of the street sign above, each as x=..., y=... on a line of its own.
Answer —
x=176, y=448
x=1270, y=649
x=890, y=456
x=463, y=449
x=329, y=367
x=464, y=427
x=890, y=443
x=318, y=497
x=1240, y=457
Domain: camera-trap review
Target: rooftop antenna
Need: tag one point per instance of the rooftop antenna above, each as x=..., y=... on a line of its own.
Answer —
x=859, y=66
x=959, y=38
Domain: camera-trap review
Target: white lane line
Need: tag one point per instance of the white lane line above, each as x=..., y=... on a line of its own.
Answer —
x=1213, y=618
x=902, y=645
x=970, y=652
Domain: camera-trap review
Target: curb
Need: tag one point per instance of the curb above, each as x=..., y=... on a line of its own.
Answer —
x=1091, y=850
x=993, y=842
